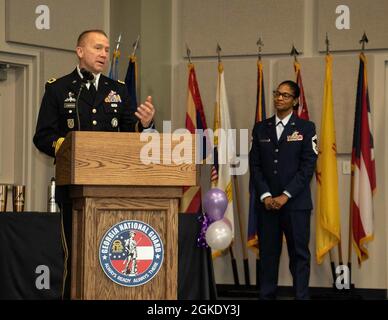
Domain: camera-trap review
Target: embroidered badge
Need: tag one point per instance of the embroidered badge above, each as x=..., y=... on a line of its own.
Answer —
x=70, y=97
x=113, y=97
x=295, y=137
x=70, y=123
x=314, y=141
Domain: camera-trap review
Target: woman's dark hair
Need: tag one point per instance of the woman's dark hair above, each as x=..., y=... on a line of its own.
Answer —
x=293, y=86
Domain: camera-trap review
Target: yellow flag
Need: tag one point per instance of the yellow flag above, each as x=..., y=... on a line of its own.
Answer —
x=327, y=205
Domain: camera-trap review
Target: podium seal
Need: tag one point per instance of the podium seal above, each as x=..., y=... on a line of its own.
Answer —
x=131, y=253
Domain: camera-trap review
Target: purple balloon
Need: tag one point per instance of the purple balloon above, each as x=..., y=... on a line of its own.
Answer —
x=215, y=203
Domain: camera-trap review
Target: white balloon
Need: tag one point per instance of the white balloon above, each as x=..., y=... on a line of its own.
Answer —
x=218, y=235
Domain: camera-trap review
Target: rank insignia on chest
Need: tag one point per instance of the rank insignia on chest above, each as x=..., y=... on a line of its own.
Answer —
x=113, y=96
x=295, y=137
x=70, y=123
x=114, y=122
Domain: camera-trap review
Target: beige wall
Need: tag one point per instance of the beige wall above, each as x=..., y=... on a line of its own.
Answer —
x=236, y=25
x=58, y=28
x=165, y=26
x=151, y=19
x=366, y=16
x=156, y=56
x=126, y=17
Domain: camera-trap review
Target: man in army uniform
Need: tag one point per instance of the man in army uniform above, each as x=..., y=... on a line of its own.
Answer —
x=103, y=105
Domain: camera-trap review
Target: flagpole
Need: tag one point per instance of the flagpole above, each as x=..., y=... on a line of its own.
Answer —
x=232, y=257
x=188, y=52
x=350, y=228
x=241, y=223
x=115, y=55
x=294, y=53
x=133, y=58
x=363, y=41
x=259, y=44
x=340, y=259
x=135, y=45
x=332, y=262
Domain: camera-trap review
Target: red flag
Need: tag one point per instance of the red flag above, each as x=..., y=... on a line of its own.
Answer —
x=195, y=119
x=363, y=179
x=302, y=111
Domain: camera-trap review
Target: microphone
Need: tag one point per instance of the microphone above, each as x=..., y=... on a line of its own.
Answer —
x=87, y=77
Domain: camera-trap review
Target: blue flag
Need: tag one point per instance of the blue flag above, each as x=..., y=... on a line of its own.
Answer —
x=131, y=82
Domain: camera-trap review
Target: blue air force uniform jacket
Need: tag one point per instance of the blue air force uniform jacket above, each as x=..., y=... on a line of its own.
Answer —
x=110, y=110
x=287, y=164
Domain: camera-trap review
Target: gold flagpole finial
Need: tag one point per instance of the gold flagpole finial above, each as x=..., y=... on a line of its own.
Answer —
x=294, y=53
x=219, y=52
x=188, y=52
x=135, y=45
x=115, y=53
x=363, y=40
x=327, y=44
x=259, y=44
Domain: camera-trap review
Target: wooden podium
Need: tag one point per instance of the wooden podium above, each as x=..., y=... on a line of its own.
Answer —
x=109, y=184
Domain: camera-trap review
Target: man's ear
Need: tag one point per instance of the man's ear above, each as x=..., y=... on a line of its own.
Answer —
x=79, y=51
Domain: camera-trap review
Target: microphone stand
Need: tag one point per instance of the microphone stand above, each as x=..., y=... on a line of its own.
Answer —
x=83, y=85
x=87, y=78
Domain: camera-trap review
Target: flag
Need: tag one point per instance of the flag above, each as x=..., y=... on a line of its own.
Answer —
x=131, y=82
x=302, y=111
x=253, y=240
x=195, y=119
x=363, y=179
x=327, y=204
x=114, y=67
x=223, y=149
